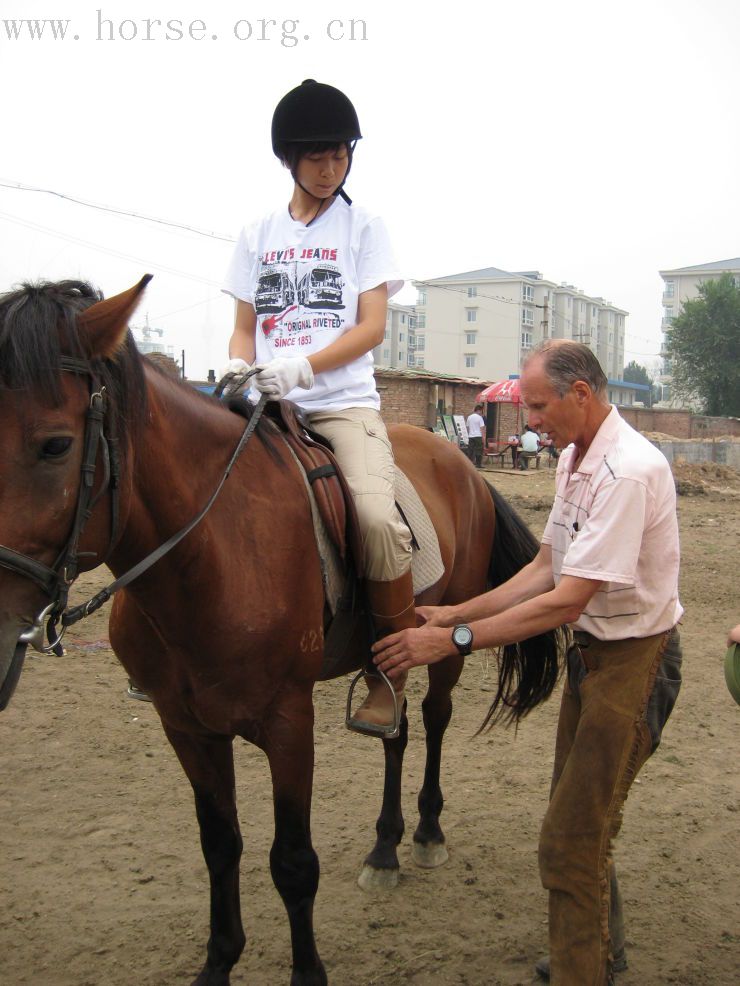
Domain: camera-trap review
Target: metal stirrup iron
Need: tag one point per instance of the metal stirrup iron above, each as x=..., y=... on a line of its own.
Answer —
x=390, y=731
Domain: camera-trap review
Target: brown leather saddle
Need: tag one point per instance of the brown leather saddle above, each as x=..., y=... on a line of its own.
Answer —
x=333, y=497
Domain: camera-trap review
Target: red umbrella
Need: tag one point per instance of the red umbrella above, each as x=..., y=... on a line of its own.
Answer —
x=505, y=392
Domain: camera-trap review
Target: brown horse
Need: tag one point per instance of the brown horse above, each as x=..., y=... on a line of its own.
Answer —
x=225, y=631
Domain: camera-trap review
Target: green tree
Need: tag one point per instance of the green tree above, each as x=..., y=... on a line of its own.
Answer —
x=704, y=347
x=636, y=373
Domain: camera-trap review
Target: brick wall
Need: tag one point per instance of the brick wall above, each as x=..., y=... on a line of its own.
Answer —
x=413, y=400
x=679, y=424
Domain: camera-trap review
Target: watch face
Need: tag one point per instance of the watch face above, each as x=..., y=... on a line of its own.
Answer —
x=462, y=636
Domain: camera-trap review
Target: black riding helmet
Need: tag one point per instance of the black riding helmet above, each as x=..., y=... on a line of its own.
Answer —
x=312, y=118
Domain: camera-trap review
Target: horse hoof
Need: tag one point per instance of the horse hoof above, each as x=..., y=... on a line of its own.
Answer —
x=211, y=977
x=372, y=879
x=429, y=856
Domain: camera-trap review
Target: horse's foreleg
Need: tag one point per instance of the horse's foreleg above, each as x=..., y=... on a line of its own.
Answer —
x=209, y=764
x=380, y=869
x=293, y=861
x=429, y=841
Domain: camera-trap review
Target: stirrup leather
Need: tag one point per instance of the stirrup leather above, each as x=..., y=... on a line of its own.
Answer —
x=385, y=731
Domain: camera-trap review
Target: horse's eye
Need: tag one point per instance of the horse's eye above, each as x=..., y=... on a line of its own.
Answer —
x=54, y=448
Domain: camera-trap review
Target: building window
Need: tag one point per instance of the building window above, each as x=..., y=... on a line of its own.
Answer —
x=421, y=342
x=670, y=287
x=668, y=313
x=470, y=338
x=526, y=340
x=527, y=316
x=387, y=334
x=410, y=360
x=583, y=307
x=527, y=293
x=403, y=318
x=421, y=321
x=570, y=300
x=469, y=361
x=386, y=354
x=472, y=291
x=400, y=336
x=412, y=323
x=421, y=298
x=472, y=315
x=400, y=356
x=420, y=362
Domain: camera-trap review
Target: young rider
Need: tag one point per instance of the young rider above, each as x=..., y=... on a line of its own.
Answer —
x=311, y=282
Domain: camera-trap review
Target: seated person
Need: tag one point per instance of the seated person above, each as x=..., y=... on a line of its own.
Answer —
x=530, y=443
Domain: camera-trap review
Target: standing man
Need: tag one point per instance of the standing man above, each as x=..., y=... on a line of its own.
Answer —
x=608, y=566
x=476, y=436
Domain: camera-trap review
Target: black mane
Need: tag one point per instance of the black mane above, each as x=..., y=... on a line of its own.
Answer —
x=38, y=323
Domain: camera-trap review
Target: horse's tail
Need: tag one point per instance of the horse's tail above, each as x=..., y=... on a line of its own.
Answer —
x=528, y=670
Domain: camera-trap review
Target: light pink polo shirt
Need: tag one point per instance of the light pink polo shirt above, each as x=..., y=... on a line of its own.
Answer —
x=614, y=519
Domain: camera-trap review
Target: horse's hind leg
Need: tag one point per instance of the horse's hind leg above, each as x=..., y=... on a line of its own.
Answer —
x=429, y=848
x=209, y=764
x=380, y=869
x=293, y=861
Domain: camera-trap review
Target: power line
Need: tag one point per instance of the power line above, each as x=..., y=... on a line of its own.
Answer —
x=36, y=227
x=21, y=187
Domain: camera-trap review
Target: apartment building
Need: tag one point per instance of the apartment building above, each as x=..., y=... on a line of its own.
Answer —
x=680, y=285
x=397, y=350
x=482, y=323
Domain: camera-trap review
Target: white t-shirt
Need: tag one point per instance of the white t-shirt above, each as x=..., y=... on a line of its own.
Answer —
x=475, y=425
x=304, y=283
x=529, y=441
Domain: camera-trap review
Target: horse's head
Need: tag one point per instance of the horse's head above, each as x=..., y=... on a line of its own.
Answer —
x=69, y=378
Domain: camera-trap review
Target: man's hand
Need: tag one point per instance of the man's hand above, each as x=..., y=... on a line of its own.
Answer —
x=734, y=636
x=278, y=377
x=410, y=648
x=436, y=616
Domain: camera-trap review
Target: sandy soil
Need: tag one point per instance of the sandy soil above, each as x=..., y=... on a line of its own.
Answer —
x=103, y=881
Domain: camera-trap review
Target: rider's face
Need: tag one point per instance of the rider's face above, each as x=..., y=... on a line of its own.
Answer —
x=322, y=174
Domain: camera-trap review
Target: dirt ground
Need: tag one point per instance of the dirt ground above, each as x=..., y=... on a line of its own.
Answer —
x=103, y=882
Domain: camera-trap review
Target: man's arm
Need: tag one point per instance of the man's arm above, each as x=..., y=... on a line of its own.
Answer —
x=426, y=645
x=532, y=580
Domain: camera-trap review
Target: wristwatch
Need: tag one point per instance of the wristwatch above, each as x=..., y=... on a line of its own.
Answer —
x=462, y=638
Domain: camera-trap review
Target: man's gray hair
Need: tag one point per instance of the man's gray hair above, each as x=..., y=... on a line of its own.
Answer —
x=564, y=362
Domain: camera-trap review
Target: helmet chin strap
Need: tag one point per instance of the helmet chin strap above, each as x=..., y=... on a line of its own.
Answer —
x=339, y=191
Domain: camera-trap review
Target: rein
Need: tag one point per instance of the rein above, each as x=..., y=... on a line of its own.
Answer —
x=56, y=580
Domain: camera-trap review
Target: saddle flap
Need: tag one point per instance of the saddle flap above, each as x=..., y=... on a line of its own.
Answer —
x=333, y=497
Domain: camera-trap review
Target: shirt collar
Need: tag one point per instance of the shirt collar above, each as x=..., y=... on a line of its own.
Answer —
x=602, y=441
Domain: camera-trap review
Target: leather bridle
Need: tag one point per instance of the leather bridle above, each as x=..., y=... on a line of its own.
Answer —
x=56, y=580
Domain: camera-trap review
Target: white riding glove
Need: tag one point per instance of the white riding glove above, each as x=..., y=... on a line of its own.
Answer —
x=278, y=377
x=235, y=367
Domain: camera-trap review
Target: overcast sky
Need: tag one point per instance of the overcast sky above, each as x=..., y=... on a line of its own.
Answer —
x=594, y=142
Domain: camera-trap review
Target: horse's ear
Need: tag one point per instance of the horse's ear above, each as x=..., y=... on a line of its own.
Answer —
x=103, y=326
